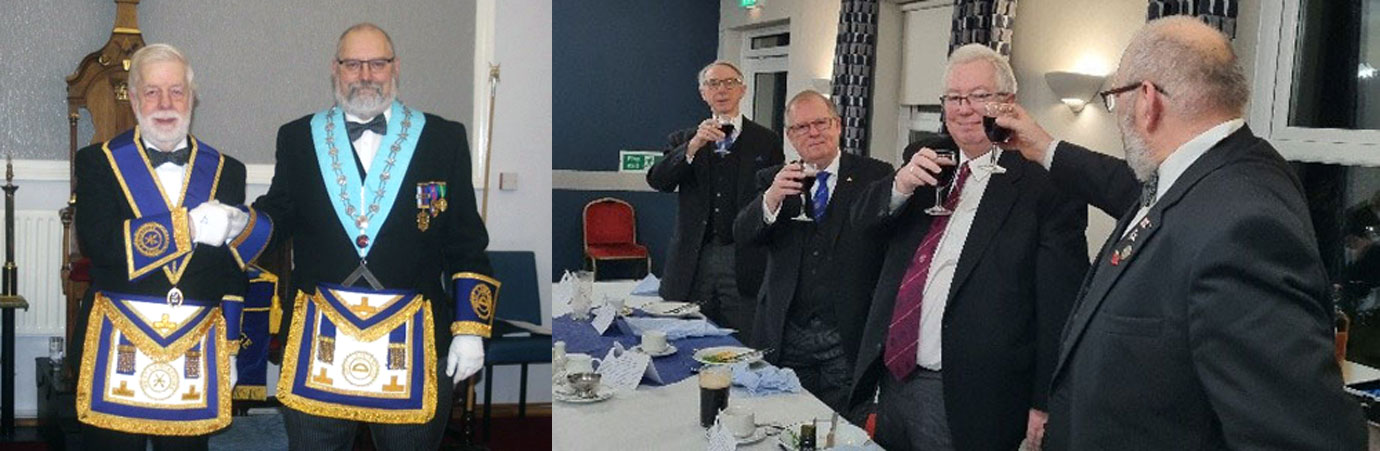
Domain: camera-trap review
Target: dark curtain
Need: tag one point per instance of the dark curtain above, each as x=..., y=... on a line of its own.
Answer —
x=985, y=22
x=855, y=60
x=1218, y=13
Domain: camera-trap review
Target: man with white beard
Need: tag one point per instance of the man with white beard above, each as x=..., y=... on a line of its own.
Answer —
x=162, y=317
x=1206, y=321
x=385, y=290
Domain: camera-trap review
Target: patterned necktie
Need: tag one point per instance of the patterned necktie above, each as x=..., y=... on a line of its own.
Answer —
x=903, y=333
x=378, y=125
x=821, y=198
x=178, y=157
x=1147, y=190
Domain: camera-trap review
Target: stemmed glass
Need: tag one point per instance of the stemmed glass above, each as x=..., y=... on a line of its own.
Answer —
x=807, y=183
x=995, y=134
x=726, y=126
x=945, y=177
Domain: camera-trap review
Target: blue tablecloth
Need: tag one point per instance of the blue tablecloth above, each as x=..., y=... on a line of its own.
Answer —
x=579, y=337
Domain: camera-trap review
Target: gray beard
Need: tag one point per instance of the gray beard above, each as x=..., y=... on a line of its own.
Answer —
x=364, y=105
x=1137, y=152
x=160, y=138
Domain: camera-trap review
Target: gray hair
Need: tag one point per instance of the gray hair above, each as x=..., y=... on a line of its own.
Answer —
x=1192, y=62
x=362, y=26
x=1006, y=78
x=705, y=71
x=158, y=53
x=810, y=94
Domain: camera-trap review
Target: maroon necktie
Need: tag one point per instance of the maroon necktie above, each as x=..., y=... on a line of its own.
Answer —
x=903, y=333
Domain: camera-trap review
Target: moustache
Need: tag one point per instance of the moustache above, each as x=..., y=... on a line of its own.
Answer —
x=356, y=87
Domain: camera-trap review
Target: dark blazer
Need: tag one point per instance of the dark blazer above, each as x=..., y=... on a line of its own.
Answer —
x=756, y=147
x=1015, y=282
x=857, y=256
x=404, y=257
x=101, y=211
x=1216, y=331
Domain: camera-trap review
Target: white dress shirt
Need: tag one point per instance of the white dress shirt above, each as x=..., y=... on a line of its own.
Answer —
x=769, y=215
x=209, y=228
x=940, y=278
x=1173, y=166
x=368, y=143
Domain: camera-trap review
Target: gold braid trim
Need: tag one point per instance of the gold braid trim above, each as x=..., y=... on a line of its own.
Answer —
x=347, y=412
x=145, y=426
x=470, y=328
x=146, y=344
x=251, y=392
x=373, y=332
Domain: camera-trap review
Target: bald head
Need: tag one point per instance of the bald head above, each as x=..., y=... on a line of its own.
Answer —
x=1191, y=61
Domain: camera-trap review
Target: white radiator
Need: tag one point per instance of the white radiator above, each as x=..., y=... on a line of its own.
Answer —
x=38, y=254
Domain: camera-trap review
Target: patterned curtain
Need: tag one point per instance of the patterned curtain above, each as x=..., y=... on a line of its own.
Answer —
x=1218, y=13
x=985, y=22
x=855, y=58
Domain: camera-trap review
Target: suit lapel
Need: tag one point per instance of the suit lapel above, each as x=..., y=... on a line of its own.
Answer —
x=1104, y=274
x=1001, y=193
x=844, y=191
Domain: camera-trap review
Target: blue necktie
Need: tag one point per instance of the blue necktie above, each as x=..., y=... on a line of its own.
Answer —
x=821, y=200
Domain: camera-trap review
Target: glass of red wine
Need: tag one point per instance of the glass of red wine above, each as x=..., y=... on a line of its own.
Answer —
x=726, y=126
x=995, y=133
x=945, y=178
x=807, y=183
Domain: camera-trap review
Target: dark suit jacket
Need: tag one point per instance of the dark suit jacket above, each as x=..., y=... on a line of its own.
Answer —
x=857, y=256
x=1016, y=279
x=756, y=147
x=101, y=211
x=1216, y=332
x=404, y=256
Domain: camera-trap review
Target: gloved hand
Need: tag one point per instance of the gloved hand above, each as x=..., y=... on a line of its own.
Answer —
x=209, y=223
x=236, y=219
x=465, y=358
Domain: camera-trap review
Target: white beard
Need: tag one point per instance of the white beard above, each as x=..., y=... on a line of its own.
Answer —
x=1137, y=151
x=364, y=100
x=160, y=136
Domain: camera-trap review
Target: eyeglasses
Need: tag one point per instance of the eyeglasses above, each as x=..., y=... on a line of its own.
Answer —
x=376, y=64
x=818, y=125
x=1109, y=96
x=976, y=98
x=726, y=83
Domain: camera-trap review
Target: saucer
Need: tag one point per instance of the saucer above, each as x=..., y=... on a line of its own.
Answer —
x=846, y=435
x=566, y=394
x=757, y=436
x=670, y=349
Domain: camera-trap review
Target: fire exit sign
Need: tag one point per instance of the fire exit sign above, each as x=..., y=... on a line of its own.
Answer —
x=637, y=160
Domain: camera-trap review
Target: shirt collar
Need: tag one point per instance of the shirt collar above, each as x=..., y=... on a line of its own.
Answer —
x=1183, y=157
x=980, y=171
x=149, y=145
x=387, y=116
x=833, y=167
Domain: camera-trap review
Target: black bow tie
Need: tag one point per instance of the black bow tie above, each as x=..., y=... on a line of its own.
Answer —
x=178, y=157
x=378, y=125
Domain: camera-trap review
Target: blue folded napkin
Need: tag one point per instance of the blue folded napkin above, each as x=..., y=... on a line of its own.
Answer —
x=765, y=380
x=648, y=286
x=676, y=328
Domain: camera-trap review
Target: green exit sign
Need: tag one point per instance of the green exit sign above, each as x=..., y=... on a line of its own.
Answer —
x=747, y=4
x=637, y=160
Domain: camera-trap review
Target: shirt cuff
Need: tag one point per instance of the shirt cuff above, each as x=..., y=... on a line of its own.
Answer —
x=1049, y=154
x=898, y=198
x=768, y=215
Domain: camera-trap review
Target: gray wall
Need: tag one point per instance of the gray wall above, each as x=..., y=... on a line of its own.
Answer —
x=258, y=64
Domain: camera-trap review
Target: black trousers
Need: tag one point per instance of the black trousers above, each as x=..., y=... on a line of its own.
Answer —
x=308, y=432
x=814, y=350
x=716, y=286
x=99, y=439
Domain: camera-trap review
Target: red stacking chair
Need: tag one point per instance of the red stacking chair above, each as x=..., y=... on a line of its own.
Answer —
x=611, y=233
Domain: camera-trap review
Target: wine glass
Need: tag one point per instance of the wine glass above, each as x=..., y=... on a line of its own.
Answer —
x=944, y=177
x=995, y=134
x=807, y=182
x=726, y=126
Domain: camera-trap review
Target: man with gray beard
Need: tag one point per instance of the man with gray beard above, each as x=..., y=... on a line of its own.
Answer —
x=1206, y=322
x=393, y=289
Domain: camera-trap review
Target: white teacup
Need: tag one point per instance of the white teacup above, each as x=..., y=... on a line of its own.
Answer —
x=579, y=363
x=616, y=303
x=740, y=420
x=654, y=341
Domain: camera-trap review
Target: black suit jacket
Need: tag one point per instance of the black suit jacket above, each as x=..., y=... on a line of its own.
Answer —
x=101, y=211
x=756, y=147
x=1016, y=279
x=1216, y=332
x=404, y=257
x=857, y=256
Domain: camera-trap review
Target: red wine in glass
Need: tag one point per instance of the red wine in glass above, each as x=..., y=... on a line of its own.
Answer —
x=995, y=133
x=807, y=182
x=945, y=178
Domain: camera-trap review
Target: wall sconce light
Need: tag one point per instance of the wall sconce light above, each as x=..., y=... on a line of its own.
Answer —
x=1074, y=89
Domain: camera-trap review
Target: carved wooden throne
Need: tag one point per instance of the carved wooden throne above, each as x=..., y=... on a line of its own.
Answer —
x=100, y=85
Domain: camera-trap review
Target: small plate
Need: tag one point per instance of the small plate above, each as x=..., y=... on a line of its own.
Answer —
x=713, y=356
x=847, y=434
x=564, y=393
x=756, y=436
x=669, y=309
x=670, y=349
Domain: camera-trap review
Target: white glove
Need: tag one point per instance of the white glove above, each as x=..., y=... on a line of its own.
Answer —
x=234, y=372
x=236, y=220
x=465, y=358
x=209, y=223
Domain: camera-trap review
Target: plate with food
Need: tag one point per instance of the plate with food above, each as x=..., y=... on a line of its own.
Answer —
x=723, y=355
x=671, y=309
